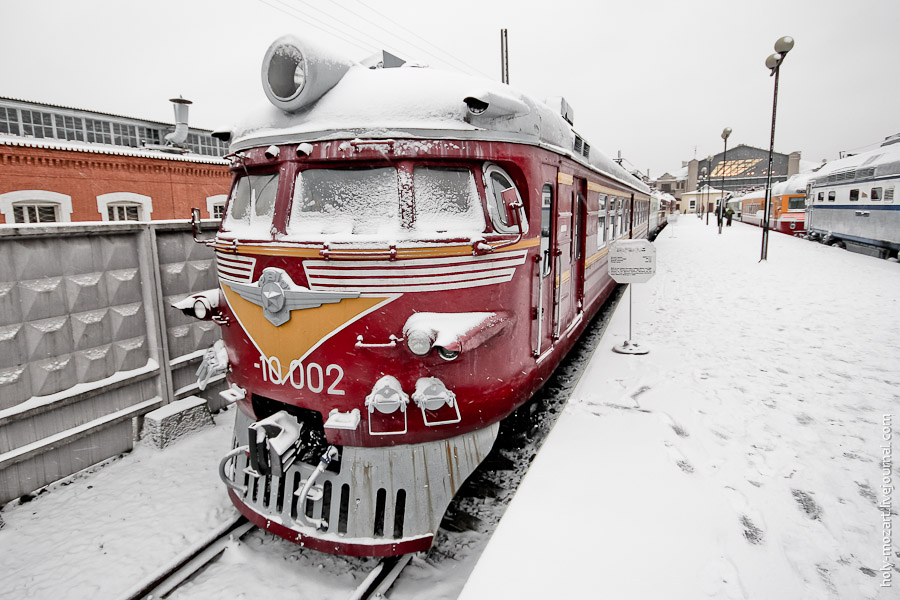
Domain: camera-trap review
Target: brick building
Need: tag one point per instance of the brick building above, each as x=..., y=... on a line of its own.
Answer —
x=60, y=164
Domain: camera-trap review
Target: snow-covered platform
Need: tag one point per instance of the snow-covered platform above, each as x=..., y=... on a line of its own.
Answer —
x=742, y=457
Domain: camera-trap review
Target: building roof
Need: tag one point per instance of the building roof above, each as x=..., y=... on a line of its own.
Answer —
x=53, y=144
x=93, y=112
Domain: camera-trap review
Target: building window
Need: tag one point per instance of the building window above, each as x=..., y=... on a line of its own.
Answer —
x=124, y=212
x=9, y=121
x=831, y=196
x=37, y=124
x=124, y=135
x=876, y=194
x=692, y=205
x=148, y=135
x=98, y=132
x=70, y=128
x=35, y=213
x=124, y=206
x=854, y=195
x=218, y=211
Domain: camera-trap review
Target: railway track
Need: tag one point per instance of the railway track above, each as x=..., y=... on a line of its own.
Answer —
x=521, y=436
x=192, y=561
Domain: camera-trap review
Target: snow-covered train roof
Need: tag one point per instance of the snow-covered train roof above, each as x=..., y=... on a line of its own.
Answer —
x=408, y=102
x=796, y=184
x=881, y=162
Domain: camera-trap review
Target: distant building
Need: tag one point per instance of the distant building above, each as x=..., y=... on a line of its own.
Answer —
x=62, y=164
x=693, y=202
x=746, y=167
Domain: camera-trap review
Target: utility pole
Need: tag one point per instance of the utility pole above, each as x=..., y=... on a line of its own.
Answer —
x=504, y=57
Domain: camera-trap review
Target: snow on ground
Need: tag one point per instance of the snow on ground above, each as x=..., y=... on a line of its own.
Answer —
x=742, y=457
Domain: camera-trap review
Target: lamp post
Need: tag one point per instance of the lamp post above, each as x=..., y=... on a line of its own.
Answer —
x=708, y=179
x=725, y=133
x=782, y=47
x=704, y=172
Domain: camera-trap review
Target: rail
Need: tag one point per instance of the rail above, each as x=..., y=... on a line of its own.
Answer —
x=190, y=562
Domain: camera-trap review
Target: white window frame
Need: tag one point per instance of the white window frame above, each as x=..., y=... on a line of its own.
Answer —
x=104, y=201
x=212, y=201
x=62, y=202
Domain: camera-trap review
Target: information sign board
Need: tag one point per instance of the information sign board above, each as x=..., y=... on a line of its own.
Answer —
x=632, y=261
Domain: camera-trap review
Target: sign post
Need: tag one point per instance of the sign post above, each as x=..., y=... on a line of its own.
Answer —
x=631, y=261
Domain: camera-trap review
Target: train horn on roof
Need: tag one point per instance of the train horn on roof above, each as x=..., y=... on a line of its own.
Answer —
x=492, y=104
x=296, y=73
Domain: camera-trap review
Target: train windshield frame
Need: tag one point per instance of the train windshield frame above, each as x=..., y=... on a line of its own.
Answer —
x=251, y=204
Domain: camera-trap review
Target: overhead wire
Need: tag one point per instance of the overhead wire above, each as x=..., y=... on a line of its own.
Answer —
x=291, y=12
x=339, y=31
x=447, y=58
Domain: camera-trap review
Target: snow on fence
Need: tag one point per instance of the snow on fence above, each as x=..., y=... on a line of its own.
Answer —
x=85, y=323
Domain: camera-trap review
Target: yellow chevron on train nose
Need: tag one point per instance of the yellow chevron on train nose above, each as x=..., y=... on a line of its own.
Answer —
x=303, y=333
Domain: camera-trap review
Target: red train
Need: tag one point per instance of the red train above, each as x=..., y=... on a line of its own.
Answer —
x=405, y=258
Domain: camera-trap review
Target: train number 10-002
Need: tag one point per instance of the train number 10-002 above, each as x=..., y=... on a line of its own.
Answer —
x=311, y=376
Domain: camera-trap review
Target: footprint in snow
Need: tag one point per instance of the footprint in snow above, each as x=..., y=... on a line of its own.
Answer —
x=808, y=504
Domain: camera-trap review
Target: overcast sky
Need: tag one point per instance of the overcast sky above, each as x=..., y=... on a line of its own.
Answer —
x=657, y=80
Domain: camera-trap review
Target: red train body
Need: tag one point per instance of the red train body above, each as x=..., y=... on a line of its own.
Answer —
x=392, y=287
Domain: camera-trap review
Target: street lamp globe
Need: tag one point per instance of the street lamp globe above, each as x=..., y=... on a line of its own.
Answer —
x=726, y=132
x=784, y=45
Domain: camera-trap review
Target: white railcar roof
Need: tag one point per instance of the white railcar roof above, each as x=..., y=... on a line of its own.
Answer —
x=881, y=162
x=420, y=103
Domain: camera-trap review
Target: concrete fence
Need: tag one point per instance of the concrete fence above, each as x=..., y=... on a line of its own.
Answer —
x=89, y=342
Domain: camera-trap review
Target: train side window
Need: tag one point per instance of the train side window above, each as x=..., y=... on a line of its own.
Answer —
x=876, y=194
x=546, y=225
x=613, y=206
x=496, y=181
x=831, y=196
x=854, y=195
x=821, y=196
x=601, y=225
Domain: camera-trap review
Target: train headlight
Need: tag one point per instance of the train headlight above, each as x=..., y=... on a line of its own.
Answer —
x=202, y=305
x=201, y=308
x=419, y=342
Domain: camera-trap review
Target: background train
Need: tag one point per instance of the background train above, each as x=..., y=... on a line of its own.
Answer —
x=406, y=256
x=850, y=202
x=787, y=205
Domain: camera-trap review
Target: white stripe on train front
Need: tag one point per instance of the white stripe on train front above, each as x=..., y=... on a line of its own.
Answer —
x=445, y=273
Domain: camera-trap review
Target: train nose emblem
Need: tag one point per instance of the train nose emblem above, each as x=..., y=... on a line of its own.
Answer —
x=277, y=294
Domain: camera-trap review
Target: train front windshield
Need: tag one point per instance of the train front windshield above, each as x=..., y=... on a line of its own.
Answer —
x=367, y=204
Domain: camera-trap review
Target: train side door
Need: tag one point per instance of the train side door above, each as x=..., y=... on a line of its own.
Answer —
x=579, y=217
x=546, y=269
x=562, y=294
